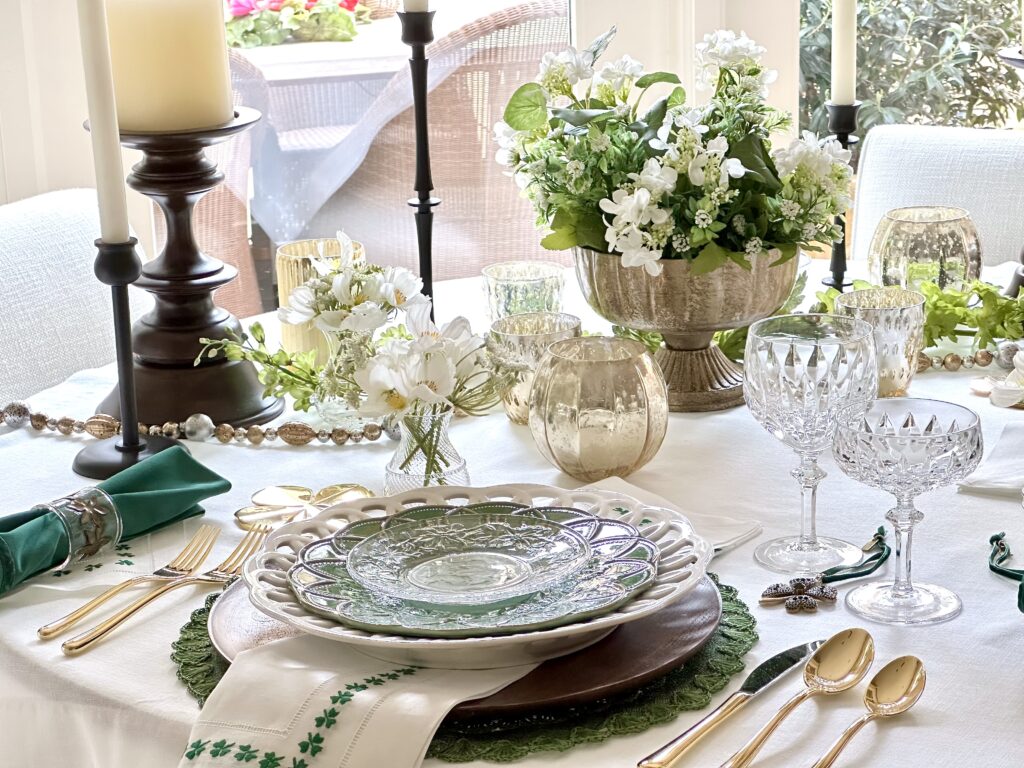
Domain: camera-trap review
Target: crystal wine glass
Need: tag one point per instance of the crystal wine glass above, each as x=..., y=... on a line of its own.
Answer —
x=800, y=372
x=907, y=446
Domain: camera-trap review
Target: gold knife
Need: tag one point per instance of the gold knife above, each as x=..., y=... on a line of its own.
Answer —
x=762, y=677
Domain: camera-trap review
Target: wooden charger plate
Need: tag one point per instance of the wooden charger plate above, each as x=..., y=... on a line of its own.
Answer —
x=634, y=654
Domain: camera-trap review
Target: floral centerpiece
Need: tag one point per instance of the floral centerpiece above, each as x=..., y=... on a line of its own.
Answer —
x=252, y=23
x=693, y=197
x=412, y=373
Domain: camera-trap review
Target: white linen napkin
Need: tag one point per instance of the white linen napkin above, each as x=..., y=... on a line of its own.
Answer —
x=307, y=701
x=1002, y=471
x=723, y=532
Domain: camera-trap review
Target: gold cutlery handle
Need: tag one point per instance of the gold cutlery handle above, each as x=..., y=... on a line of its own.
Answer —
x=670, y=754
x=847, y=736
x=55, y=628
x=749, y=751
x=83, y=641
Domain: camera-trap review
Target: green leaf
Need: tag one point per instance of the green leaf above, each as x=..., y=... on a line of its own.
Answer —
x=752, y=152
x=789, y=250
x=599, y=46
x=527, y=110
x=563, y=231
x=677, y=97
x=590, y=229
x=651, y=122
x=711, y=257
x=646, y=81
x=580, y=117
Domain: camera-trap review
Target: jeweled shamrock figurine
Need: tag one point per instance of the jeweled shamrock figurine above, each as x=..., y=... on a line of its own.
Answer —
x=800, y=594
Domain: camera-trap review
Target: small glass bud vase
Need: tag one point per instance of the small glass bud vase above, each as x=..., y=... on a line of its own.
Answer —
x=425, y=455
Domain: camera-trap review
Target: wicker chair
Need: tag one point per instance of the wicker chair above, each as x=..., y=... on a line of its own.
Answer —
x=483, y=218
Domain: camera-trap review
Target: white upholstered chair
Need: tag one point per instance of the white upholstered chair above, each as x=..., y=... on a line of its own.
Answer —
x=55, y=316
x=980, y=170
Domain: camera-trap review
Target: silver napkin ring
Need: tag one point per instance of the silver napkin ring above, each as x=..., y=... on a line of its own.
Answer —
x=91, y=520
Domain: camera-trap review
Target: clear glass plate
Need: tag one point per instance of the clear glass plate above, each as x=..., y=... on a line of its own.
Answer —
x=621, y=563
x=467, y=557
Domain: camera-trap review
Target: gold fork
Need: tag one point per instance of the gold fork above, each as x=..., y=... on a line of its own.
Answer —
x=186, y=563
x=222, y=574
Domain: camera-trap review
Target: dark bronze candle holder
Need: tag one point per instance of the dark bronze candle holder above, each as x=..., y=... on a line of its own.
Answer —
x=417, y=31
x=118, y=265
x=842, y=123
x=175, y=173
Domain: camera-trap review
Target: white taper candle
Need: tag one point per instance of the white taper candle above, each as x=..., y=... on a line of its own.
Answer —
x=106, y=141
x=844, y=51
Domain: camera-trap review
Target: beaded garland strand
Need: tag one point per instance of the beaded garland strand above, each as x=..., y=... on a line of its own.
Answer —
x=197, y=427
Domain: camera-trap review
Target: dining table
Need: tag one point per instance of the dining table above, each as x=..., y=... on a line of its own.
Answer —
x=120, y=705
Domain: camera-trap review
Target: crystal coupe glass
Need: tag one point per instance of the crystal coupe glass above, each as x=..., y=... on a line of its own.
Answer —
x=800, y=373
x=907, y=446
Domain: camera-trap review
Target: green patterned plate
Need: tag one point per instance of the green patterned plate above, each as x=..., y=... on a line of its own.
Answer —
x=620, y=565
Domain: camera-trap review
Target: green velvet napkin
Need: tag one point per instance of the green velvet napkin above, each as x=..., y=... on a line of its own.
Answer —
x=159, y=491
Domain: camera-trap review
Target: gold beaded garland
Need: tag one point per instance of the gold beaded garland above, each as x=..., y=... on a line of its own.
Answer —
x=103, y=427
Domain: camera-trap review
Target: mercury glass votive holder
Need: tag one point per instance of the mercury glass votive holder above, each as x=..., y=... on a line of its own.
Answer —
x=897, y=317
x=933, y=243
x=598, y=407
x=516, y=344
x=518, y=287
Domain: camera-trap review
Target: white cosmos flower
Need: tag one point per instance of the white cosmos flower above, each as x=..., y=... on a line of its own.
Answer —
x=385, y=387
x=300, y=306
x=365, y=317
x=342, y=288
x=398, y=286
x=618, y=73
x=430, y=377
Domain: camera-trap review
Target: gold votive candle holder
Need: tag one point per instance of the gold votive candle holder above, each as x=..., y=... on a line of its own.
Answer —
x=517, y=343
x=897, y=317
x=294, y=267
x=598, y=407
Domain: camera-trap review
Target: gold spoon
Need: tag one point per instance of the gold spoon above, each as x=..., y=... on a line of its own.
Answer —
x=836, y=666
x=280, y=504
x=894, y=690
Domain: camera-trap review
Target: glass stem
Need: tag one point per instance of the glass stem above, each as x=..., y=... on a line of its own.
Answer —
x=808, y=474
x=903, y=518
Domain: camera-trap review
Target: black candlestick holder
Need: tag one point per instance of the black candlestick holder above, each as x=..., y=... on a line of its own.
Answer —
x=842, y=123
x=417, y=31
x=175, y=173
x=118, y=265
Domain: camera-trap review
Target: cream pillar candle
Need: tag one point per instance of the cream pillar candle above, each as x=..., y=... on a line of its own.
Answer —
x=416, y=6
x=844, y=51
x=106, y=144
x=170, y=63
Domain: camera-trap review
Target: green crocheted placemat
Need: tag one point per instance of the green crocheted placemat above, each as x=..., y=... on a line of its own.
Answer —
x=688, y=688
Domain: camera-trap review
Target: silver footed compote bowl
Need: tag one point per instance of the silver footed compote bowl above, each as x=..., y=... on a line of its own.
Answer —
x=907, y=446
x=800, y=373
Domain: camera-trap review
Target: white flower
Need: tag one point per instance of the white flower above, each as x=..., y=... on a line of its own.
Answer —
x=695, y=171
x=725, y=49
x=506, y=138
x=575, y=168
x=365, y=317
x=730, y=168
x=739, y=223
x=635, y=208
x=570, y=65
x=619, y=73
x=692, y=120
x=814, y=157
x=347, y=259
x=753, y=246
x=702, y=220
x=600, y=142
x=342, y=287
x=655, y=177
x=398, y=286
x=809, y=232
x=430, y=377
x=300, y=306
x=384, y=386
x=643, y=257
x=718, y=146
x=790, y=209
x=680, y=243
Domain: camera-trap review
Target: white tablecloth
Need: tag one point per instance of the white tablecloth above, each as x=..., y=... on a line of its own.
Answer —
x=120, y=706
